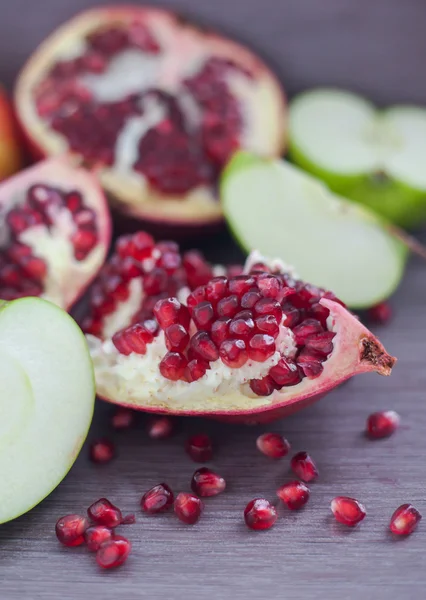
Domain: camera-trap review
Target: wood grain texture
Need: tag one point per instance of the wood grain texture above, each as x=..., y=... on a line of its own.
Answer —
x=379, y=47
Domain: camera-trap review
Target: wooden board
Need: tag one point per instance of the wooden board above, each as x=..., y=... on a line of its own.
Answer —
x=377, y=46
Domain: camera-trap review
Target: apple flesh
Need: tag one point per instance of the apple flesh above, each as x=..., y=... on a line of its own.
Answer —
x=10, y=152
x=47, y=394
x=370, y=156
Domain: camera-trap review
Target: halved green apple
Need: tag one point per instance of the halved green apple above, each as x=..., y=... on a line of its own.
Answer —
x=47, y=394
x=280, y=210
x=375, y=157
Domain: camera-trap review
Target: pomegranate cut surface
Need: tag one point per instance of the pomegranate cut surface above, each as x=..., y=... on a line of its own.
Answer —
x=161, y=139
x=206, y=483
x=47, y=249
x=113, y=553
x=157, y=499
x=304, y=467
x=103, y=512
x=273, y=445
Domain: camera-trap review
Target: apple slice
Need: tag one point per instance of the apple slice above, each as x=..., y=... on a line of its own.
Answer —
x=371, y=156
x=282, y=211
x=47, y=394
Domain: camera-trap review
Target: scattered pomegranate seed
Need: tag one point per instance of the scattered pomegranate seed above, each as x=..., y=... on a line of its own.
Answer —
x=70, y=530
x=206, y=483
x=170, y=311
x=113, y=553
x=160, y=428
x=199, y=447
x=381, y=313
x=188, y=508
x=273, y=445
x=382, y=424
x=405, y=520
x=128, y=520
x=158, y=499
x=176, y=337
x=102, y=451
x=103, y=512
x=233, y=353
x=304, y=467
x=123, y=418
x=96, y=535
x=260, y=514
x=294, y=494
x=347, y=510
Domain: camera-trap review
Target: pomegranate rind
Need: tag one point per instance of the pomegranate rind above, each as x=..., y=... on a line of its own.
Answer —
x=199, y=206
x=10, y=151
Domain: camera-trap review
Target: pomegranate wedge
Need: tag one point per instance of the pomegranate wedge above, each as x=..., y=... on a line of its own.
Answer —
x=250, y=347
x=160, y=139
x=55, y=232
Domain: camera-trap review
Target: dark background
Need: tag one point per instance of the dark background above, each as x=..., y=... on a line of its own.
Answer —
x=374, y=46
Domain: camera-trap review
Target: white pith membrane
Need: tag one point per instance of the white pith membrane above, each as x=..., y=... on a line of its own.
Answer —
x=185, y=51
x=66, y=276
x=344, y=134
x=46, y=401
x=333, y=243
x=135, y=380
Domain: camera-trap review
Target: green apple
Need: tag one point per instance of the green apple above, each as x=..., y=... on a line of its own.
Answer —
x=375, y=157
x=47, y=394
x=282, y=211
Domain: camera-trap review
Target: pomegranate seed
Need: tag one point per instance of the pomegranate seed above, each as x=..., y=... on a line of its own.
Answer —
x=195, y=369
x=269, y=285
x=286, y=372
x=138, y=246
x=35, y=267
x=293, y=316
x=132, y=339
x=310, y=362
x=347, y=510
x=263, y=387
x=405, y=520
x=260, y=514
x=84, y=240
x=96, y=535
x=233, y=353
x=321, y=342
x=157, y=499
x=74, y=201
x=160, y=428
x=167, y=246
x=173, y=366
x=102, y=451
x=306, y=328
x=294, y=494
x=176, y=337
x=198, y=271
x=170, y=311
x=70, y=530
x=382, y=424
x=216, y=289
x=268, y=324
x=169, y=261
x=250, y=299
x=220, y=330
x=241, y=284
x=128, y=520
x=381, y=313
x=123, y=418
x=103, y=512
x=199, y=447
x=242, y=327
x=206, y=483
x=261, y=346
x=268, y=306
x=203, y=315
x=188, y=508
x=304, y=467
x=198, y=295
x=228, y=306
x=155, y=282
x=273, y=445
x=113, y=553
x=204, y=347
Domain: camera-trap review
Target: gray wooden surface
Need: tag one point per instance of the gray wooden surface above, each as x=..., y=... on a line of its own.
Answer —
x=377, y=46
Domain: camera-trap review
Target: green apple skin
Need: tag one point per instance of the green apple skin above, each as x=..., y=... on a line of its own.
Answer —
x=395, y=201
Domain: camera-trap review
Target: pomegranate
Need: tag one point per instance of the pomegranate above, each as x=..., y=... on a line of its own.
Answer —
x=260, y=514
x=70, y=530
x=382, y=424
x=188, y=508
x=273, y=445
x=55, y=232
x=347, y=510
x=10, y=152
x=294, y=494
x=249, y=347
x=405, y=520
x=96, y=535
x=160, y=139
x=113, y=553
x=157, y=499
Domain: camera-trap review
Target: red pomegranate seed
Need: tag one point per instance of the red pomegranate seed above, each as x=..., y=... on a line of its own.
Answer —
x=268, y=306
x=102, y=451
x=405, y=520
x=158, y=499
x=233, y=353
x=70, y=530
x=203, y=346
x=195, y=369
x=132, y=339
x=304, y=467
x=138, y=246
x=293, y=316
x=382, y=424
x=170, y=311
x=123, y=418
x=203, y=315
x=188, y=508
x=268, y=324
x=96, y=535
x=169, y=261
x=155, y=282
x=242, y=327
x=176, y=337
x=85, y=219
x=129, y=520
x=113, y=553
x=103, y=512
x=310, y=362
x=347, y=510
x=160, y=428
x=198, y=271
x=228, y=306
x=294, y=494
x=286, y=372
x=273, y=445
x=306, y=328
x=269, y=285
x=167, y=246
x=261, y=346
x=260, y=514
x=241, y=284
x=173, y=366
x=206, y=483
x=381, y=313
x=35, y=267
x=216, y=289
x=199, y=448
x=198, y=295
x=318, y=312
x=220, y=330
x=250, y=299
x=321, y=342
x=263, y=387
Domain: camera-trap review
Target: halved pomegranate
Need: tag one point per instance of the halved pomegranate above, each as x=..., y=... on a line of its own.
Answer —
x=54, y=232
x=250, y=347
x=157, y=103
